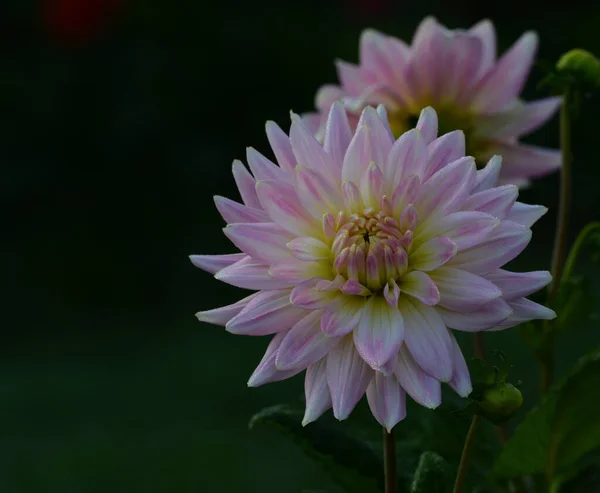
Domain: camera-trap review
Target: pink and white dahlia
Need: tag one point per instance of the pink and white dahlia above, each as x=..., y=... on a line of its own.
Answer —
x=455, y=72
x=364, y=252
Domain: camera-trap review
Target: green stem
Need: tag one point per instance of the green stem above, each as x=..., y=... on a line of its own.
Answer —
x=464, y=458
x=560, y=238
x=389, y=461
x=574, y=252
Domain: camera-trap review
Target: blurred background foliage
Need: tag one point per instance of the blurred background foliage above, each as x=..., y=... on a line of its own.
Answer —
x=120, y=120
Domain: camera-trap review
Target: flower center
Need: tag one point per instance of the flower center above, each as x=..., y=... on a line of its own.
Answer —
x=371, y=248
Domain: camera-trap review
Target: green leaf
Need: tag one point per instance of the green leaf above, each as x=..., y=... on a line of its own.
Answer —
x=585, y=478
x=561, y=430
x=432, y=475
x=350, y=461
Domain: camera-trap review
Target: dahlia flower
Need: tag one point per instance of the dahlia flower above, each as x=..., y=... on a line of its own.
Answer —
x=364, y=251
x=457, y=73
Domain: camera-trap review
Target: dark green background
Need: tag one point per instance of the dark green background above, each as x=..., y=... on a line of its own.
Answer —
x=113, y=141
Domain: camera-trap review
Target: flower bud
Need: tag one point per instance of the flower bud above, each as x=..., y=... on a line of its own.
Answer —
x=582, y=66
x=500, y=402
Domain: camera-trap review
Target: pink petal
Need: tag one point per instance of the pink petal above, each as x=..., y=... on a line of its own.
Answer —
x=372, y=186
x=428, y=124
x=379, y=333
x=519, y=284
x=266, y=371
x=424, y=389
x=341, y=316
x=307, y=296
x=249, y=274
x=461, y=66
x=214, y=263
x=525, y=310
x=463, y=291
x=222, y=315
x=383, y=116
x=444, y=150
x=371, y=143
x=407, y=157
x=373, y=56
x=502, y=245
x=294, y=270
x=432, y=254
x=387, y=400
x=461, y=380
x=264, y=242
x=317, y=195
x=526, y=214
x=353, y=80
x=420, y=286
x=465, y=228
x=280, y=143
x=347, y=376
x=352, y=198
x=487, y=316
x=405, y=194
x=246, y=185
x=447, y=189
x=484, y=30
x=517, y=121
x=268, y=312
x=308, y=248
x=304, y=344
x=233, y=212
x=337, y=134
x=488, y=176
x=427, y=339
x=263, y=168
x=326, y=96
x=525, y=161
x=316, y=390
x=496, y=201
x=310, y=153
x=280, y=201
x=505, y=81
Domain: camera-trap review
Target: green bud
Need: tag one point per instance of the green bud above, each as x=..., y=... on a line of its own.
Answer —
x=500, y=402
x=582, y=67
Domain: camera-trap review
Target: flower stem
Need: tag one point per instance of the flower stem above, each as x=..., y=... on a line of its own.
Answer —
x=389, y=461
x=464, y=458
x=560, y=238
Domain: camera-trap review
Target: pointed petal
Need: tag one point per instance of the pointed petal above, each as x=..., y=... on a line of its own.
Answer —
x=496, y=201
x=387, y=400
x=316, y=194
x=463, y=291
x=519, y=284
x=427, y=339
x=372, y=186
x=222, y=315
x=234, y=212
x=488, y=176
x=214, y=263
x=461, y=380
x=487, y=316
x=447, y=189
x=347, y=376
x=316, y=390
x=504, y=82
x=484, y=30
x=308, y=248
x=295, y=271
x=444, y=150
x=304, y=344
x=379, y=333
x=428, y=124
x=408, y=156
x=246, y=185
x=525, y=310
x=337, y=134
x=263, y=168
x=526, y=214
x=342, y=315
x=306, y=295
x=465, y=228
x=525, y=161
x=502, y=245
x=420, y=286
x=249, y=274
x=268, y=312
x=423, y=388
x=264, y=242
x=280, y=143
x=432, y=254
x=266, y=371
x=280, y=201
